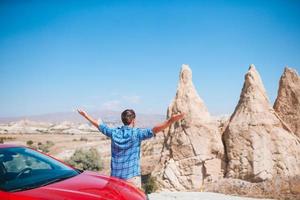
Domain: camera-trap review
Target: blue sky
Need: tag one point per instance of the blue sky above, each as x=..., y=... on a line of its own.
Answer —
x=59, y=55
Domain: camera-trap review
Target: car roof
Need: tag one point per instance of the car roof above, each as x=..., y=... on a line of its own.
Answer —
x=9, y=145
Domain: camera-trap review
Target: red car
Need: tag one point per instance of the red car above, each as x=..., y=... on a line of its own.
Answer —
x=30, y=175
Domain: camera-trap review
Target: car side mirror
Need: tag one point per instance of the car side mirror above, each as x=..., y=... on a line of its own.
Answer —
x=79, y=170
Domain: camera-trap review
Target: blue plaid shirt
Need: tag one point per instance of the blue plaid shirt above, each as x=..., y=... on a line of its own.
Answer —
x=125, y=149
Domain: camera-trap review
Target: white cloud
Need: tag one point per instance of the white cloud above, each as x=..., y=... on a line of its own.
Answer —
x=122, y=102
x=89, y=106
x=134, y=99
x=112, y=105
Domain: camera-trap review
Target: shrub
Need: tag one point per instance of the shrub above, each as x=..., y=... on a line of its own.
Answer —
x=149, y=184
x=50, y=143
x=4, y=138
x=83, y=139
x=29, y=143
x=44, y=147
x=86, y=160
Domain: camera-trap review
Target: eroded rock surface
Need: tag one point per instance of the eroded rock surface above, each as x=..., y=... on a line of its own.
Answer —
x=287, y=104
x=193, y=150
x=259, y=146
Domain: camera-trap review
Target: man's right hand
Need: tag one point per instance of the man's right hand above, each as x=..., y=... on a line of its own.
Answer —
x=177, y=117
x=167, y=123
x=89, y=118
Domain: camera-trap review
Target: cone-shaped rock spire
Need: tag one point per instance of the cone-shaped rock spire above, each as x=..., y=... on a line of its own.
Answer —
x=187, y=99
x=193, y=150
x=258, y=144
x=287, y=104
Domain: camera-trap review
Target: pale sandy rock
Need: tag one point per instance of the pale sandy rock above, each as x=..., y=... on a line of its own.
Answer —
x=287, y=104
x=62, y=126
x=29, y=123
x=87, y=128
x=294, y=185
x=4, y=128
x=193, y=150
x=258, y=145
x=26, y=126
x=221, y=122
x=72, y=131
x=150, y=154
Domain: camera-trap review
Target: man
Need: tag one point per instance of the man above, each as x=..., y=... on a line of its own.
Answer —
x=126, y=144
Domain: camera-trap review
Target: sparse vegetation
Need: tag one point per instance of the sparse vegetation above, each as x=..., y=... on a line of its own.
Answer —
x=50, y=143
x=83, y=139
x=29, y=143
x=4, y=138
x=86, y=159
x=280, y=188
x=149, y=184
x=44, y=147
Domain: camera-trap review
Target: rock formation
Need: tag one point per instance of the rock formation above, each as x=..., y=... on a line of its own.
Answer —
x=259, y=146
x=34, y=127
x=24, y=127
x=151, y=153
x=287, y=104
x=193, y=150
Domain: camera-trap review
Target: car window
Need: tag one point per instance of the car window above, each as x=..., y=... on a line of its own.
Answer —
x=20, y=162
x=23, y=169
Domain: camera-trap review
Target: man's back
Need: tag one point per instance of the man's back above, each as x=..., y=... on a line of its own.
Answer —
x=125, y=149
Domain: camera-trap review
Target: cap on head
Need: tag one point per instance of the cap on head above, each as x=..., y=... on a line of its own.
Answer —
x=127, y=116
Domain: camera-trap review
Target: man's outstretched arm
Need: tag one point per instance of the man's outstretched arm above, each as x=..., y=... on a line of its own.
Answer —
x=167, y=123
x=89, y=118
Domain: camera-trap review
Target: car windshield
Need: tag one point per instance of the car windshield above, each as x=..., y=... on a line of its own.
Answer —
x=23, y=168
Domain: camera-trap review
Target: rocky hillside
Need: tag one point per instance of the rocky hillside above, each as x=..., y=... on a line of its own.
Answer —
x=254, y=153
x=32, y=127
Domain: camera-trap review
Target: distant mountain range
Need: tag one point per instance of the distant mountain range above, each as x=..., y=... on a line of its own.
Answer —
x=106, y=115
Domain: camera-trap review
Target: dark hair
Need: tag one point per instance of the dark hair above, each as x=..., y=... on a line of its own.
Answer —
x=127, y=116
